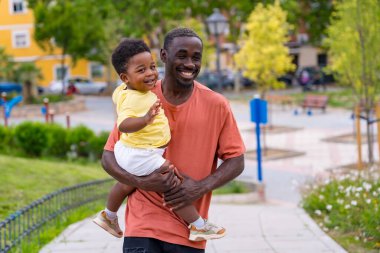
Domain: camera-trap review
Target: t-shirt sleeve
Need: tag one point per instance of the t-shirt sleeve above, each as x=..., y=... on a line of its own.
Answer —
x=125, y=108
x=112, y=139
x=230, y=143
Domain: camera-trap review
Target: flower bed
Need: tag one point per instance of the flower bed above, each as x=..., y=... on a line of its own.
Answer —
x=347, y=207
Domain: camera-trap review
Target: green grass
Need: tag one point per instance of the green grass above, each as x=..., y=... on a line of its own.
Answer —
x=232, y=188
x=56, y=226
x=347, y=207
x=24, y=180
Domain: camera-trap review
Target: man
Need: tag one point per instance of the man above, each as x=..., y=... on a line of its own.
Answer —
x=203, y=129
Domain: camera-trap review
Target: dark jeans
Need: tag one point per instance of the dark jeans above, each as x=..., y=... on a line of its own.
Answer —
x=150, y=245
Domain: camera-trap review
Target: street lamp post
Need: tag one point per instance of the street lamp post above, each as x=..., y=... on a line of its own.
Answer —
x=217, y=25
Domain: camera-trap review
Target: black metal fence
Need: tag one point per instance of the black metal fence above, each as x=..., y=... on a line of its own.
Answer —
x=31, y=219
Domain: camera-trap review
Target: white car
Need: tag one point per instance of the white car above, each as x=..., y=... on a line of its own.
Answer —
x=82, y=84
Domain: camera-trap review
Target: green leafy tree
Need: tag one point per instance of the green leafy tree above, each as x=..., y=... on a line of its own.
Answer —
x=263, y=56
x=354, y=43
x=6, y=66
x=75, y=27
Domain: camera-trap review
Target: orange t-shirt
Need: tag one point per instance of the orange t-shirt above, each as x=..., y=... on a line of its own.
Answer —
x=203, y=129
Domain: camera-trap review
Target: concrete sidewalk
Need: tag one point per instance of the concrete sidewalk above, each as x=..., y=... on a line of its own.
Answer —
x=253, y=228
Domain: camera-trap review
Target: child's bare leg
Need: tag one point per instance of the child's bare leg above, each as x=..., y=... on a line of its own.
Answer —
x=187, y=213
x=117, y=196
x=200, y=229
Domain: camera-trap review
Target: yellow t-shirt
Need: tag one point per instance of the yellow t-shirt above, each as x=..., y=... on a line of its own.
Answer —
x=132, y=104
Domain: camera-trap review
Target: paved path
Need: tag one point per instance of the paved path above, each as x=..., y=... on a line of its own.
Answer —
x=264, y=228
x=277, y=226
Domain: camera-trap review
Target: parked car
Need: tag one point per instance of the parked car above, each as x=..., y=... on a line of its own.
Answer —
x=83, y=86
x=208, y=79
x=10, y=87
x=227, y=79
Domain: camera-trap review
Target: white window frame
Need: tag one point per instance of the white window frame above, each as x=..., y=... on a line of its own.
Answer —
x=21, y=32
x=96, y=64
x=24, y=7
x=58, y=66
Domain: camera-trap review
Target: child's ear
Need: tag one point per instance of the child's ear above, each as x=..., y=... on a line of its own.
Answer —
x=124, y=78
x=163, y=55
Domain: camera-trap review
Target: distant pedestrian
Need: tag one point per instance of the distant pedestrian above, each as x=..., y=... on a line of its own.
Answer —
x=71, y=89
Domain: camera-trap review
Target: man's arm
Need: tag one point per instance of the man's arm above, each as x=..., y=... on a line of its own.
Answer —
x=190, y=190
x=156, y=181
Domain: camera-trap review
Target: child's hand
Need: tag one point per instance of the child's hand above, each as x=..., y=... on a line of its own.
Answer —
x=153, y=112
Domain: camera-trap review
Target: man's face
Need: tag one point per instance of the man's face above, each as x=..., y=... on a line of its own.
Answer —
x=183, y=59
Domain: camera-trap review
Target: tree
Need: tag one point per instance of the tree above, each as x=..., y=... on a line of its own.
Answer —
x=75, y=27
x=6, y=66
x=354, y=42
x=263, y=56
x=27, y=73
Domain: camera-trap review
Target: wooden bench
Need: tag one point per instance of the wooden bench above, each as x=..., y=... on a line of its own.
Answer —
x=315, y=101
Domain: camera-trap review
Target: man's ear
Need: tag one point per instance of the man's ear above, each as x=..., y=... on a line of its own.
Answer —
x=124, y=78
x=163, y=55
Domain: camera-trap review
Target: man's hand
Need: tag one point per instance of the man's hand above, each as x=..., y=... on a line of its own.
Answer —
x=184, y=194
x=161, y=180
x=153, y=112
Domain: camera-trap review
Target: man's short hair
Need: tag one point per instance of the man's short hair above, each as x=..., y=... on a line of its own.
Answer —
x=125, y=51
x=179, y=32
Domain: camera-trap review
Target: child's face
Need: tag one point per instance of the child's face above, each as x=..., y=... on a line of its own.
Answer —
x=141, y=72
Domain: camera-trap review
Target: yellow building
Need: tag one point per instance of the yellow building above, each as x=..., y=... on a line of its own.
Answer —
x=16, y=36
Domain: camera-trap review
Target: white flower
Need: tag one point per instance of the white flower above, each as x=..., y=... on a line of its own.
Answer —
x=321, y=197
x=354, y=202
x=367, y=186
x=347, y=206
x=325, y=229
x=340, y=188
x=368, y=201
x=374, y=194
x=329, y=207
x=340, y=201
x=359, y=189
x=336, y=228
x=357, y=194
x=357, y=238
x=318, y=212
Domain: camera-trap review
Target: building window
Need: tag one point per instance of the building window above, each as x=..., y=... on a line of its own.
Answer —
x=61, y=73
x=21, y=39
x=96, y=70
x=18, y=6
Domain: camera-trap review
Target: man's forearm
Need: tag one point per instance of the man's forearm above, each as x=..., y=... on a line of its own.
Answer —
x=113, y=169
x=190, y=190
x=157, y=181
x=227, y=171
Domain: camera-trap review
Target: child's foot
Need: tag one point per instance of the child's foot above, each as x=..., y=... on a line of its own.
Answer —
x=111, y=226
x=207, y=232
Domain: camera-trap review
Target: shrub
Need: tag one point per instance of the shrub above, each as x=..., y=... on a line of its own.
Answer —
x=97, y=144
x=31, y=137
x=353, y=197
x=6, y=138
x=57, y=141
x=79, y=138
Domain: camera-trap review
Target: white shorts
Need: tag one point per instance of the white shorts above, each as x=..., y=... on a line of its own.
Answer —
x=138, y=161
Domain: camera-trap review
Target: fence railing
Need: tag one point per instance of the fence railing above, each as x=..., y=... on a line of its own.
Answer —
x=32, y=218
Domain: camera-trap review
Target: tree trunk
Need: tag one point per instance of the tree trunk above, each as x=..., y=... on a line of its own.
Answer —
x=369, y=137
x=28, y=91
